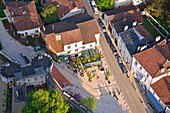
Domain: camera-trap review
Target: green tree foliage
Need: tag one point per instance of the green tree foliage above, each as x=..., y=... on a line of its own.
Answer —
x=105, y=4
x=45, y=101
x=49, y=14
x=107, y=74
x=7, y=100
x=89, y=103
x=160, y=9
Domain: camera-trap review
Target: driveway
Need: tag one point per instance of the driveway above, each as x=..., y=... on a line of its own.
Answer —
x=13, y=48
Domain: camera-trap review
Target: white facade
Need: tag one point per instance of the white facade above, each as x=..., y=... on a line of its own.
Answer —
x=7, y=80
x=31, y=32
x=119, y=3
x=140, y=73
x=32, y=80
x=73, y=12
x=73, y=48
x=137, y=2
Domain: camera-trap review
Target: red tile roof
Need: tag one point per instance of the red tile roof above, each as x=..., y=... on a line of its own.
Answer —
x=88, y=30
x=59, y=77
x=134, y=15
x=162, y=89
x=55, y=44
x=65, y=6
x=143, y=32
x=72, y=36
x=25, y=15
x=153, y=59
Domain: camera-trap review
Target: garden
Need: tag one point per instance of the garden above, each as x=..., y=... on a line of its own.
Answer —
x=2, y=7
x=105, y=5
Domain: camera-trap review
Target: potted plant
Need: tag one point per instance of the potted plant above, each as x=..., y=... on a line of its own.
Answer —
x=82, y=71
x=91, y=75
x=107, y=74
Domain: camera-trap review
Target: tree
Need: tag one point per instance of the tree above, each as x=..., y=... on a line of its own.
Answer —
x=107, y=74
x=91, y=75
x=89, y=103
x=7, y=100
x=82, y=71
x=105, y=4
x=99, y=56
x=45, y=101
x=49, y=14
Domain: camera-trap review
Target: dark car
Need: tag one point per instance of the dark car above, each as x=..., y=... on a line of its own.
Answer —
x=119, y=60
x=123, y=68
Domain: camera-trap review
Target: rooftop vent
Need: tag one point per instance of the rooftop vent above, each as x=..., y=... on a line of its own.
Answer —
x=40, y=57
x=125, y=28
x=24, y=12
x=53, y=27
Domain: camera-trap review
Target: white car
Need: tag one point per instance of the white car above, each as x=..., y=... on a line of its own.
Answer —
x=95, y=10
x=93, y=3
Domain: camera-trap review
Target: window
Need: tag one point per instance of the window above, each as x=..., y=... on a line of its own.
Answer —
x=26, y=33
x=140, y=68
x=69, y=52
x=75, y=45
x=147, y=75
x=84, y=47
x=36, y=31
x=68, y=47
x=168, y=68
x=136, y=63
x=91, y=45
x=76, y=50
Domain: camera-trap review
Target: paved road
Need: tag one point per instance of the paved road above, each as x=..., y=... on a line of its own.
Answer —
x=13, y=48
x=88, y=8
x=123, y=82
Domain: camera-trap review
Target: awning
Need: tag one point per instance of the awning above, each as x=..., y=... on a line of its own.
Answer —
x=154, y=102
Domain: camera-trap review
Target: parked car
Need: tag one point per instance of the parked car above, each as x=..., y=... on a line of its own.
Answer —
x=123, y=68
x=102, y=27
x=95, y=10
x=93, y=3
x=119, y=59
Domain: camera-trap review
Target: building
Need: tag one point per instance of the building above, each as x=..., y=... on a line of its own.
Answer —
x=121, y=3
x=25, y=18
x=151, y=69
x=66, y=38
x=34, y=73
x=67, y=8
x=59, y=79
x=129, y=35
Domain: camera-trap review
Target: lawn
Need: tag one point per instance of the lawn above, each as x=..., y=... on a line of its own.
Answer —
x=4, y=58
x=150, y=28
x=31, y=41
x=2, y=7
x=6, y=23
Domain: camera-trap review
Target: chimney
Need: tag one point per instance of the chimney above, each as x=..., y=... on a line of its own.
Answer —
x=134, y=23
x=125, y=28
x=43, y=28
x=53, y=27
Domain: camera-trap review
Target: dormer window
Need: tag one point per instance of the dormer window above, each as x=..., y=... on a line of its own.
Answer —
x=168, y=68
x=162, y=70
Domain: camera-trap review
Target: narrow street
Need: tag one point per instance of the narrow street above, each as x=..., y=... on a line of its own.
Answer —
x=123, y=82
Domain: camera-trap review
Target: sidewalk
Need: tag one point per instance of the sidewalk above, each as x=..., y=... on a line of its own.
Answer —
x=142, y=97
